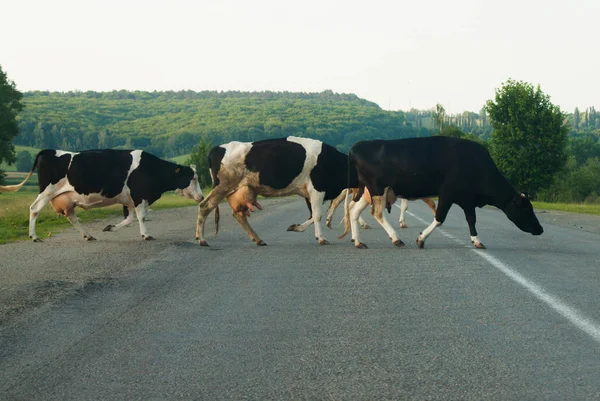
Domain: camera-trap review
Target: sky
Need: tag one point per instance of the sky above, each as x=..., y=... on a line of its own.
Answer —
x=399, y=54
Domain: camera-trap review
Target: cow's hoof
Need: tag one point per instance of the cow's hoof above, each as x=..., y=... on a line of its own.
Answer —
x=36, y=239
x=323, y=242
x=89, y=238
x=148, y=238
x=403, y=225
x=360, y=245
x=479, y=245
x=328, y=223
x=203, y=243
x=367, y=227
x=398, y=243
x=420, y=243
x=292, y=227
x=108, y=227
x=261, y=243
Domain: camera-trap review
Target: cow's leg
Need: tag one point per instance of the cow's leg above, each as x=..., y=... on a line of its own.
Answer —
x=141, y=210
x=316, y=201
x=34, y=210
x=471, y=220
x=379, y=203
x=354, y=216
x=125, y=222
x=403, y=207
x=242, y=219
x=334, y=205
x=301, y=227
x=431, y=203
x=72, y=217
x=205, y=207
x=440, y=216
x=361, y=221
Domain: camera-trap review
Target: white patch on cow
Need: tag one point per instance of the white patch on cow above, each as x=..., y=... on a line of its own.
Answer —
x=313, y=149
x=135, y=163
x=235, y=152
x=59, y=153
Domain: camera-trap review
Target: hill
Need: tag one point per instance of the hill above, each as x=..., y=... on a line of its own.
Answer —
x=171, y=123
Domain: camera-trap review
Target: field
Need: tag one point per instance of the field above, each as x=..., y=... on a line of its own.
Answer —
x=14, y=214
x=180, y=159
x=33, y=151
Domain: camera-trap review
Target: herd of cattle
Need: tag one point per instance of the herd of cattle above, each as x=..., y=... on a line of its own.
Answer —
x=375, y=172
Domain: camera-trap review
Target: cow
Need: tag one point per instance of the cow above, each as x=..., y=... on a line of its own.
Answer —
x=403, y=207
x=97, y=178
x=273, y=167
x=340, y=198
x=458, y=171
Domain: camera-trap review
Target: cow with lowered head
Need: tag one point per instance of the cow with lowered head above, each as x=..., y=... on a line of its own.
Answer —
x=458, y=171
x=97, y=178
x=274, y=167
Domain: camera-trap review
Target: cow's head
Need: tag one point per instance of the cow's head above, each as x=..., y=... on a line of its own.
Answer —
x=189, y=186
x=520, y=211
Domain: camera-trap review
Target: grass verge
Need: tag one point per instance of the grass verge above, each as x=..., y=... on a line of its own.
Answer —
x=569, y=207
x=14, y=214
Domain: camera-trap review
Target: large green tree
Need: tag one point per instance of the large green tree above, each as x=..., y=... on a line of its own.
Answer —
x=199, y=157
x=529, y=136
x=10, y=106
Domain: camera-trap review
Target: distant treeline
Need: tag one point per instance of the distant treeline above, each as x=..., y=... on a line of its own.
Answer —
x=172, y=123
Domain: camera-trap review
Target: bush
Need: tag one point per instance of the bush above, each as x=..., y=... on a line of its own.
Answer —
x=24, y=161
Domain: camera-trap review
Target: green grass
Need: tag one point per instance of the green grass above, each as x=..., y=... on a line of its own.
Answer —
x=180, y=159
x=569, y=207
x=14, y=214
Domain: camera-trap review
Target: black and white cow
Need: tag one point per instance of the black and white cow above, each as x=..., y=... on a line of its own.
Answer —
x=97, y=178
x=403, y=208
x=457, y=170
x=274, y=167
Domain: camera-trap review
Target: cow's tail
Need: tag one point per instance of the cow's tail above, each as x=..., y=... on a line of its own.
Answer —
x=346, y=207
x=217, y=212
x=217, y=217
x=15, y=188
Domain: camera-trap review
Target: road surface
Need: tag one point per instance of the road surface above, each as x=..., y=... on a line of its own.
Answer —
x=119, y=318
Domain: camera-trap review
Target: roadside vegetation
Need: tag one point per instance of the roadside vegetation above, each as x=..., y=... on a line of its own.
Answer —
x=14, y=214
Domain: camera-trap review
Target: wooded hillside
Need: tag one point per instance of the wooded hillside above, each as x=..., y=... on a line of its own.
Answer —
x=171, y=123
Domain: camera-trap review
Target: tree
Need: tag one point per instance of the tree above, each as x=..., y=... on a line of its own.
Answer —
x=10, y=106
x=24, y=161
x=439, y=116
x=576, y=118
x=199, y=157
x=529, y=136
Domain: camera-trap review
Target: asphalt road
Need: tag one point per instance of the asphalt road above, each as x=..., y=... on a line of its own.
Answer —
x=295, y=320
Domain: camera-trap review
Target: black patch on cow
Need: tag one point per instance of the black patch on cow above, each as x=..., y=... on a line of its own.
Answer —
x=215, y=156
x=277, y=161
x=155, y=176
x=330, y=175
x=100, y=171
x=51, y=169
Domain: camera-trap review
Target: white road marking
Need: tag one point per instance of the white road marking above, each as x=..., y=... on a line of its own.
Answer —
x=576, y=318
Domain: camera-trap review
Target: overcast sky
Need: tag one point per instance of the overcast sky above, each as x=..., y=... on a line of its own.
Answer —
x=398, y=54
